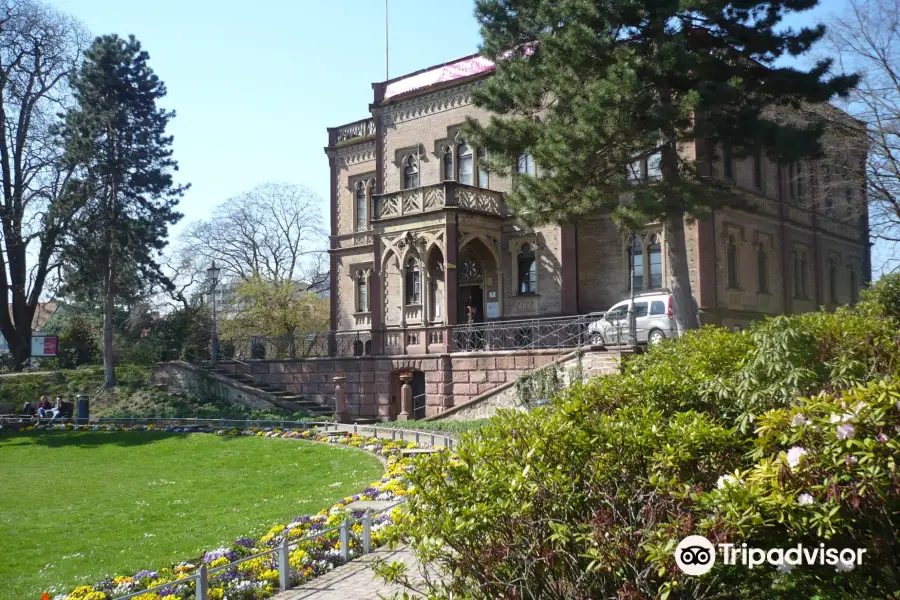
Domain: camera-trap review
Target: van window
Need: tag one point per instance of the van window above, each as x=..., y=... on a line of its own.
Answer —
x=640, y=309
x=657, y=307
x=616, y=312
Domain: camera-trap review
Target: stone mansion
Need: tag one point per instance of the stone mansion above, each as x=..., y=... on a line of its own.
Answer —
x=419, y=231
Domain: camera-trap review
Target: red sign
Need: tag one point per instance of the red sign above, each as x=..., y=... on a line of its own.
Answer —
x=50, y=346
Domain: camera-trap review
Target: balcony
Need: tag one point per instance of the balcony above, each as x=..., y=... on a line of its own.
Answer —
x=363, y=128
x=437, y=197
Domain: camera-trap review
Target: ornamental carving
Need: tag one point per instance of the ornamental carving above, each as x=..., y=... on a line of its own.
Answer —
x=412, y=201
x=470, y=269
x=389, y=206
x=434, y=197
x=480, y=200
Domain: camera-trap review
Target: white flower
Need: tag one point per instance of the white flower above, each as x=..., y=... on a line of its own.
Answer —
x=799, y=420
x=836, y=418
x=805, y=499
x=883, y=438
x=844, y=567
x=845, y=431
x=795, y=455
x=860, y=406
x=726, y=480
x=784, y=567
x=852, y=460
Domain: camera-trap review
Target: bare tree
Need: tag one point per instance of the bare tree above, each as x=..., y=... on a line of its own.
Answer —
x=866, y=39
x=274, y=231
x=39, y=47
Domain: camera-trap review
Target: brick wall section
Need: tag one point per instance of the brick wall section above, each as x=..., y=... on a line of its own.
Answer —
x=373, y=387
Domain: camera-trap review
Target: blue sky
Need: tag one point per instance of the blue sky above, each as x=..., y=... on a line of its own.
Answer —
x=256, y=84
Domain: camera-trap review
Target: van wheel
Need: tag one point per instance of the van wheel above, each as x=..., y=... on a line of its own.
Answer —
x=656, y=336
x=597, y=340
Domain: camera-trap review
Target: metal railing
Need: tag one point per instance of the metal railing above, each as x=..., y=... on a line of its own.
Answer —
x=282, y=552
x=419, y=436
x=531, y=334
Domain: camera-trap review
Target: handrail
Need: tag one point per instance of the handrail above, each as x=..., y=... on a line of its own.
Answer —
x=284, y=548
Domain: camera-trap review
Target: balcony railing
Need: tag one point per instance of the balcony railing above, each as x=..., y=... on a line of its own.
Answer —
x=524, y=334
x=435, y=197
x=351, y=131
x=329, y=343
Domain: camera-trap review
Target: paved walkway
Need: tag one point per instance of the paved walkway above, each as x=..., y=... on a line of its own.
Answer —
x=353, y=581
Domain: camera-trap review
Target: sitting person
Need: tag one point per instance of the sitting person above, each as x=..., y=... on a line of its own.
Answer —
x=44, y=407
x=28, y=409
x=57, y=408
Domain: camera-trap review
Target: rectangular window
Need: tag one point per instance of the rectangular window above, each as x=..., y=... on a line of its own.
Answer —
x=637, y=270
x=657, y=307
x=525, y=165
x=832, y=281
x=362, y=295
x=640, y=309
x=655, y=268
x=482, y=169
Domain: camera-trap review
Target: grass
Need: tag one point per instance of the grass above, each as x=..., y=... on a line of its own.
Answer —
x=76, y=507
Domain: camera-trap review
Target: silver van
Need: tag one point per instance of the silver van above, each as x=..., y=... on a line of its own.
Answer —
x=654, y=320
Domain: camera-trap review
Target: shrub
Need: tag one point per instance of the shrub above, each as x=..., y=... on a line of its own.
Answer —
x=588, y=497
x=882, y=299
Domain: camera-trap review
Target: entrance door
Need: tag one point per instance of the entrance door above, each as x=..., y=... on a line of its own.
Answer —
x=470, y=295
x=418, y=392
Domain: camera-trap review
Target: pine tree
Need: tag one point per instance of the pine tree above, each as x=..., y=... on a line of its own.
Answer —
x=115, y=136
x=594, y=89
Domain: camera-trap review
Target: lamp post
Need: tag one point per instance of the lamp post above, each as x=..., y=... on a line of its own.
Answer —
x=213, y=277
x=632, y=324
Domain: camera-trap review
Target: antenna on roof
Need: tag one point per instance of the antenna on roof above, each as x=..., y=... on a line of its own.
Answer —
x=386, y=62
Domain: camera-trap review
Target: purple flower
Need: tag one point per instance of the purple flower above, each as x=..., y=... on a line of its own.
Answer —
x=883, y=438
x=245, y=542
x=146, y=575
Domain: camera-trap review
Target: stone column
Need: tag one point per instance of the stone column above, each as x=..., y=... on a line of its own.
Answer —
x=340, y=400
x=406, y=398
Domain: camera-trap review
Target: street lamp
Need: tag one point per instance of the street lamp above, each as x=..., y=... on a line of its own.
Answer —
x=632, y=324
x=213, y=278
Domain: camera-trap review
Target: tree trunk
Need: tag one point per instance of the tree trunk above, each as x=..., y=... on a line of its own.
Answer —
x=20, y=348
x=679, y=277
x=109, y=368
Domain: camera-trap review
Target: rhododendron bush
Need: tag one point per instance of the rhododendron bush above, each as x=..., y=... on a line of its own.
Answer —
x=782, y=435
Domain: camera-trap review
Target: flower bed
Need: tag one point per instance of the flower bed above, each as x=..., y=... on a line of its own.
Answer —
x=258, y=577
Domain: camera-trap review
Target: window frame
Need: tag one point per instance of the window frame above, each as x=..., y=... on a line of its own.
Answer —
x=361, y=187
x=468, y=156
x=762, y=269
x=526, y=277
x=410, y=162
x=413, y=283
x=732, y=264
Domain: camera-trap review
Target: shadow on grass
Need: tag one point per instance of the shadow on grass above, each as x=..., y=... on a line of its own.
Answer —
x=86, y=439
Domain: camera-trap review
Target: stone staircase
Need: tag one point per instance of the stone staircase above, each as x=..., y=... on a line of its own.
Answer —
x=270, y=392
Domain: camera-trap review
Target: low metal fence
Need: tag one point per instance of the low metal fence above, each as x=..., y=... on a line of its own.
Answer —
x=200, y=579
x=419, y=436
x=313, y=345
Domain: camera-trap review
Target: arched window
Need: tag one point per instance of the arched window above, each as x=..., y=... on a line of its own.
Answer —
x=762, y=269
x=482, y=169
x=731, y=261
x=527, y=270
x=466, y=166
x=654, y=258
x=636, y=264
x=362, y=205
x=525, y=165
x=410, y=173
x=448, y=164
x=413, y=282
x=832, y=280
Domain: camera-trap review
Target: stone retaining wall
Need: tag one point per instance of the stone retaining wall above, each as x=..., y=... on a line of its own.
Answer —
x=373, y=387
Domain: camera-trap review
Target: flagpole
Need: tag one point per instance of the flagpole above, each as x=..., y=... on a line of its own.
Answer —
x=386, y=62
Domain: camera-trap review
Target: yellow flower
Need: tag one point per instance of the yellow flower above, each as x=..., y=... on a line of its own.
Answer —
x=269, y=575
x=218, y=562
x=216, y=593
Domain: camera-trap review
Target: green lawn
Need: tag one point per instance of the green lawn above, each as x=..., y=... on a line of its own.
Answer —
x=76, y=507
